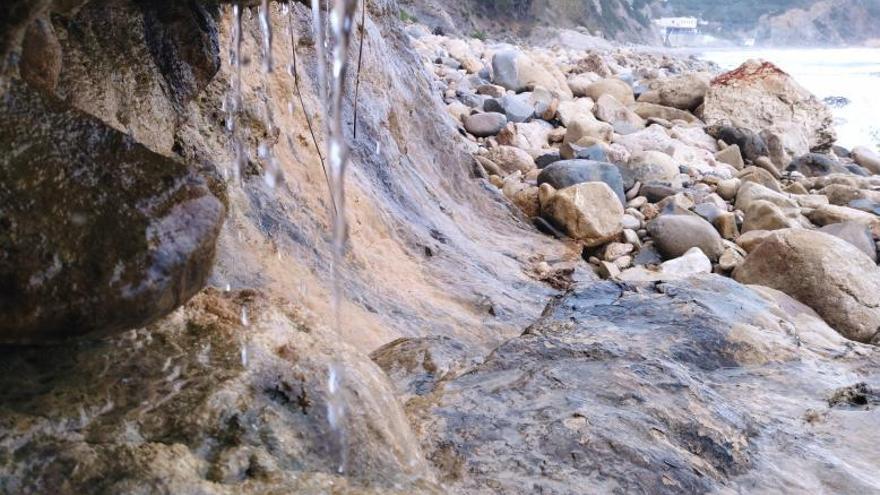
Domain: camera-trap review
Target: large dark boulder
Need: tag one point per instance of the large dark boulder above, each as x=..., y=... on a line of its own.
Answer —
x=567, y=173
x=815, y=165
x=98, y=234
x=750, y=144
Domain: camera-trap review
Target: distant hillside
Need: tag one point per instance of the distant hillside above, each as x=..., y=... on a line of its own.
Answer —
x=823, y=23
x=785, y=22
x=621, y=20
x=772, y=22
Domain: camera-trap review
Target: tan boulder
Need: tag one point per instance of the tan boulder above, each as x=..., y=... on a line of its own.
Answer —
x=830, y=214
x=867, y=158
x=588, y=127
x=764, y=215
x=511, y=159
x=828, y=274
x=619, y=89
x=624, y=120
x=590, y=212
x=647, y=110
x=685, y=92
x=571, y=110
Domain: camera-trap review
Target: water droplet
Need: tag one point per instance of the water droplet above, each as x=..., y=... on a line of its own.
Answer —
x=244, y=317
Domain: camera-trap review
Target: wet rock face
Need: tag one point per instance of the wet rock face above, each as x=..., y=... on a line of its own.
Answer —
x=184, y=42
x=97, y=233
x=653, y=388
x=200, y=403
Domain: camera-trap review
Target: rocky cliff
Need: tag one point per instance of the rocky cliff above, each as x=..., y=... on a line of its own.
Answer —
x=621, y=20
x=823, y=23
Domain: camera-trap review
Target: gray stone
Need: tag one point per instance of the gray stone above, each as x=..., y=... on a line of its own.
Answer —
x=485, y=124
x=815, y=165
x=674, y=235
x=856, y=234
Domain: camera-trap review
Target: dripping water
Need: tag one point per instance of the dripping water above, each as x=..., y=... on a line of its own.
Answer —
x=331, y=80
x=266, y=150
x=245, y=322
x=233, y=100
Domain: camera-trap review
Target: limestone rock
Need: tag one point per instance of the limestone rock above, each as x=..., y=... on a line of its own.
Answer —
x=867, y=158
x=589, y=212
x=758, y=96
x=760, y=176
x=731, y=156
x=519, y=72
x=589, y=127
x=828, y=274
x=830, y=214
x=693, y=262
x=764, y=215
x=571, y=110
x=752, y=191
x=653, y=111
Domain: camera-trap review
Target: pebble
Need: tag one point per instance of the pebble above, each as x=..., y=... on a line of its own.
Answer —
x=615, y=250
x=637, y=202
x=633, y=191
x=632, y=237
x=624, y=262
x=631, y=222
x=729, y=260
x=608, y=270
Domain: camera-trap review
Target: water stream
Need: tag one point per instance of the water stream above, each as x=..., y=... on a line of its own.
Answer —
x=331, y=81
x=266, y=151
x=332, y=30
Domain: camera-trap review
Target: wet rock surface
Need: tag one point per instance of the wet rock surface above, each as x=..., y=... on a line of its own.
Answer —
x=655, y=388
x=99, y=233
x=202, y=403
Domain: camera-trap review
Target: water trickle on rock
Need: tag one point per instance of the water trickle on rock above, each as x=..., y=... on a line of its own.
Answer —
x=266, y=152
x=233, y=102
x=332, y=82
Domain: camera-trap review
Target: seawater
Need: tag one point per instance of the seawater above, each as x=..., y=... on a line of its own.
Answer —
x=852, y=73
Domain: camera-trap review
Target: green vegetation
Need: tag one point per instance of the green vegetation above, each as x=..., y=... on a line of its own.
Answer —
x=480, y=35
x=407, y=17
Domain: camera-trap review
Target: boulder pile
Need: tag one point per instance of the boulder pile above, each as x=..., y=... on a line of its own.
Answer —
x=660, y=174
